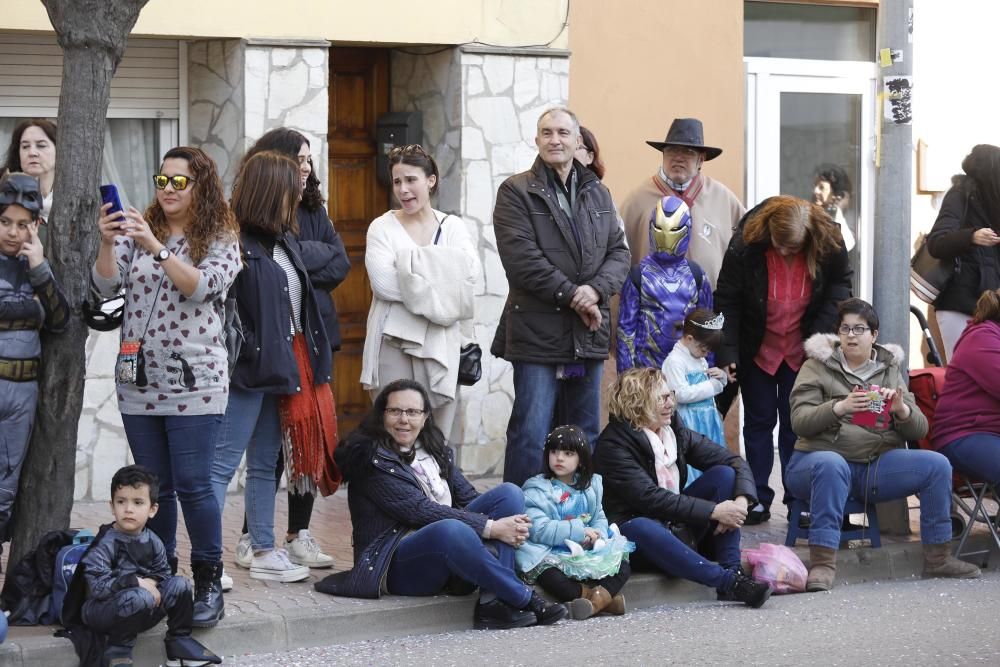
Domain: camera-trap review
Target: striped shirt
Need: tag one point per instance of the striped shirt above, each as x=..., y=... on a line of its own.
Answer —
x=294, y=287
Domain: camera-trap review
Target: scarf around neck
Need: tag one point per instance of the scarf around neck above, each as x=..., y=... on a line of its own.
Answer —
x=688, y=192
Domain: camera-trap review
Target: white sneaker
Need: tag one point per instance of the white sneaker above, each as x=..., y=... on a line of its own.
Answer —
x=244, y=551
x=274, y=565
x=305, y=550
x=227, y=581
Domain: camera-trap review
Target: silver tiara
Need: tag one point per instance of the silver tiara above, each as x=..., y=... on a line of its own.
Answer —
x=715, y=324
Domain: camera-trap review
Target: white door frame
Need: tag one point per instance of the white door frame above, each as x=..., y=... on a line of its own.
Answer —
x=766, y=79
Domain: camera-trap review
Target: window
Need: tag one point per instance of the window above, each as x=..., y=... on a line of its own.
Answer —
x=783, y=30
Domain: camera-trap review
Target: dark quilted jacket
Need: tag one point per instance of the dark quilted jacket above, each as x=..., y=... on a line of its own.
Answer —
x=386, y=503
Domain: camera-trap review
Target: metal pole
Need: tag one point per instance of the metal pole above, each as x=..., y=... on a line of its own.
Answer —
x=893, y=193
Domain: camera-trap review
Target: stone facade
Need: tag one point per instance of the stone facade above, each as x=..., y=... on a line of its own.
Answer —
x=480, y=108
x=237, y=90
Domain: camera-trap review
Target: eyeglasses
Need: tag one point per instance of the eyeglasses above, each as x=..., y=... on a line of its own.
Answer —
x=683, y=151
x=178, y=182
x=411, y=413
x=409, y=149
x=857, y=330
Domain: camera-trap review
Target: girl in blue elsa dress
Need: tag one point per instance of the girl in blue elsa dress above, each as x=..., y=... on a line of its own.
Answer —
x=572, y=552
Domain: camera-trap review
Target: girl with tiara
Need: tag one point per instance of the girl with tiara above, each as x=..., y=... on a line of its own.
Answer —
x=571, y=551
x=694, y=383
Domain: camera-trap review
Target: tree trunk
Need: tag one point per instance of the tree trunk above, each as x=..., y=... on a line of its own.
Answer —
x=92, y=34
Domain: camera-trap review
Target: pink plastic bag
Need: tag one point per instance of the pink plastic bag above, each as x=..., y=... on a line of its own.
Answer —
x=777, y=566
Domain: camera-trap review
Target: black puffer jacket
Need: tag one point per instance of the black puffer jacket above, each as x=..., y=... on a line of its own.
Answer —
x=977, y=268
x=326, y=261
x=545, y=265
x=741, y=295
x=624, y=458
x=387, y=502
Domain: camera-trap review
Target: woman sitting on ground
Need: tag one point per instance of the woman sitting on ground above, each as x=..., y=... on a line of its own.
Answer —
x=642, y=455
x=418, y=523
x=967, y=417
x=853, y=415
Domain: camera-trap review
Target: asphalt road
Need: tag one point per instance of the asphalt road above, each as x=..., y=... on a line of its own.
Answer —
x=911, y=622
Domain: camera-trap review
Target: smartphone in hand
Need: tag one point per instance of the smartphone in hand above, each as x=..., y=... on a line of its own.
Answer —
x=109, y=195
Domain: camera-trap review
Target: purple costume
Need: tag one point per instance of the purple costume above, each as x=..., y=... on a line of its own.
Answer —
x=660, y=292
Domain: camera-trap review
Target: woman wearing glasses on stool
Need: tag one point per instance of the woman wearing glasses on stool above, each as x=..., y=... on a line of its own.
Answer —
x=853, y=415
x=422, y=267
x=176, y=262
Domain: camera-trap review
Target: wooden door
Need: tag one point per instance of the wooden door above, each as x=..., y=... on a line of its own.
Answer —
x=359, y=93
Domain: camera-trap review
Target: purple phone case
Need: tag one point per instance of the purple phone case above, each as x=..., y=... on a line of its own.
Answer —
x=109, y=195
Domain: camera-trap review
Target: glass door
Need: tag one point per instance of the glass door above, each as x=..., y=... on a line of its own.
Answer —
x=810, y=120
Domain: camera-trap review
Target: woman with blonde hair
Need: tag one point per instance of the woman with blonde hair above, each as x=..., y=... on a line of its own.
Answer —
x=784, y=273
x=642, y=456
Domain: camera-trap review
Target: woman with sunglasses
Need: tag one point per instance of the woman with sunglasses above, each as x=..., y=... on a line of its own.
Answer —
x=176, y=262
x=422, y=267
x=325, y=259
x=853, y=415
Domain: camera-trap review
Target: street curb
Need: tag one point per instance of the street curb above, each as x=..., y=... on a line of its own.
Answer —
x=358, y=620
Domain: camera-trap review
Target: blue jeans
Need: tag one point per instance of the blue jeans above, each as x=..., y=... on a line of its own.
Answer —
x=767, y=401
x=424, y=561
x=976, y=455
x=179, y=449
x=251, y=424
x=656, y=546
x=828, y=479
x=541, y=402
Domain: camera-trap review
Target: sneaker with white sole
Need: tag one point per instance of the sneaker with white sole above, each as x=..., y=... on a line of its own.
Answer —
x=305, y=550
x=274, y=565
x=226, y=581
x=244, y=551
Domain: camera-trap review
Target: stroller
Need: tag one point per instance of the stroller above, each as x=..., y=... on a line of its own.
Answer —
x=968, y=495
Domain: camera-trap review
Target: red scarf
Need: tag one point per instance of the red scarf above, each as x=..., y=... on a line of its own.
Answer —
x=690, y=193
x=309, y=427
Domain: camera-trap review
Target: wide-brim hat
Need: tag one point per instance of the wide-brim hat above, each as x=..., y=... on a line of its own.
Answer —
x=687, y=132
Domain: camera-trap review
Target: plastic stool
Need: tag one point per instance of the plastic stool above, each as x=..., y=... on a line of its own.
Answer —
x=853, y=506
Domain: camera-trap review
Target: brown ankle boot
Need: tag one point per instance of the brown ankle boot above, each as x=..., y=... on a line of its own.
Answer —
x=617, y=606
x=582, y=607
x=822, y=568
x=600, y=598
x=938, y=562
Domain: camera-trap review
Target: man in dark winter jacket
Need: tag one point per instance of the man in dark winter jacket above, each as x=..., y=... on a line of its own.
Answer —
x=565, y=257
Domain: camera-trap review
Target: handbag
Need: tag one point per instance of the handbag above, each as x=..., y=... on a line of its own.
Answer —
x=470, y=364
x=929, y=276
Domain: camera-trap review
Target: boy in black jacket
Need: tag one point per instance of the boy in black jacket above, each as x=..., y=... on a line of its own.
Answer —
x=129, y=586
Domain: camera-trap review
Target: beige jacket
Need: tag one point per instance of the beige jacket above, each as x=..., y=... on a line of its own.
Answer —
x=822, y=381
x=715, y=214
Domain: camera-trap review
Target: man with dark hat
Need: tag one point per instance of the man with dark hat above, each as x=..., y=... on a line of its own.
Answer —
x=715, y=210
x=29, y=300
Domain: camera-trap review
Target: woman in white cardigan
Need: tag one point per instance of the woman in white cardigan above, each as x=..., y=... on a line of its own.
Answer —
x=422, y=267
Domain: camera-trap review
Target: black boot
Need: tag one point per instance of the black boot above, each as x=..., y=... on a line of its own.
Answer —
x=188, y=652
x=172, y=562
x=209, y=607
x=546, y=613
x=498, y=615
x=747, y=590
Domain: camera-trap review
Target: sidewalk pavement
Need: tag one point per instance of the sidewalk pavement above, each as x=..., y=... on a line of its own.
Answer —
x=266, y=616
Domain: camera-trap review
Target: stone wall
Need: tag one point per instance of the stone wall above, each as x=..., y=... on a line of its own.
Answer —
x=480, y=108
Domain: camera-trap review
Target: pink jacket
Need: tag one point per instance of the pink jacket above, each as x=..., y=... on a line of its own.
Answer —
x=970, y=400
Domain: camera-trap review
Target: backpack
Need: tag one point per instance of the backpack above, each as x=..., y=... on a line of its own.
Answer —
x=28, y=585
x=65, y=566
x=926, y=385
